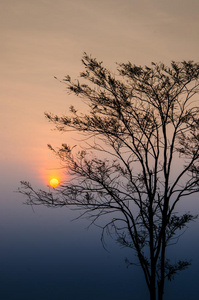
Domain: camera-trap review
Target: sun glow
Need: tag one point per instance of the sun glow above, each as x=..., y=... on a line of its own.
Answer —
x=54, y=182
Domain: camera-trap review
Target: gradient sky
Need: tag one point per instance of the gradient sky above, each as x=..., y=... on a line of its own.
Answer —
x=41, y=39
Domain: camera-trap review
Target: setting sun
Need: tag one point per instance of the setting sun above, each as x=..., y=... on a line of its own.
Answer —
x=54, y=182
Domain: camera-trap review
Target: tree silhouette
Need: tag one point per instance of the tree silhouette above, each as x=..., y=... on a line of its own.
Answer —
x=141, y=158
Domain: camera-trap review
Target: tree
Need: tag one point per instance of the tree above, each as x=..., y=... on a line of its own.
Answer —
x=144, y=125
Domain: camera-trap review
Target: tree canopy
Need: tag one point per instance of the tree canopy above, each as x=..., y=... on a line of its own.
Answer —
x=140, y=159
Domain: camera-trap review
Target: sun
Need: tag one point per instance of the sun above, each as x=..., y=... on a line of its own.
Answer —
x=54, y=182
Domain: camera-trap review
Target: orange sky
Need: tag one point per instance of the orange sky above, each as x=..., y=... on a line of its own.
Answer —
x=44, y=38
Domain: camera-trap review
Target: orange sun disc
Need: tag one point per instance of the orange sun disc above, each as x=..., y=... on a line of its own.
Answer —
x=54, y=182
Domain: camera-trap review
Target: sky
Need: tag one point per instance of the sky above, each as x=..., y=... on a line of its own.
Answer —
x=43, y=254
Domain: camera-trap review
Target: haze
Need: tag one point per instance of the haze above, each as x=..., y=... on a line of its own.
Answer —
x=43, y=254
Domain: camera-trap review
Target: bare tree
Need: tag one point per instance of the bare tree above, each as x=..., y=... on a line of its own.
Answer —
x=141, y=160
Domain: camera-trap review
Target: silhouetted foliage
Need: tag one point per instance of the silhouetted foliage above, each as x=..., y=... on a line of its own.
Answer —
x=141, y=160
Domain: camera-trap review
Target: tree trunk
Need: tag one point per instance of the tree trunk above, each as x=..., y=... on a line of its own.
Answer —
x=153, y=281
x=162, y=278
x=153, y=293
x=160, y=291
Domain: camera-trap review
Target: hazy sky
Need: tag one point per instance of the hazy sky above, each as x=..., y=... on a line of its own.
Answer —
x=41, y=39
